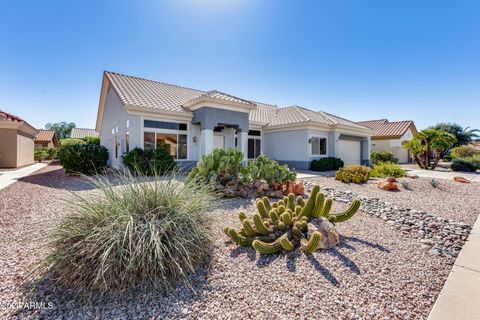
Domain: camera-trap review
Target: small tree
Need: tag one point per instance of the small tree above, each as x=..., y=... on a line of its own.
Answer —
x=428, y=146
x=62, y=129
x=463, y=136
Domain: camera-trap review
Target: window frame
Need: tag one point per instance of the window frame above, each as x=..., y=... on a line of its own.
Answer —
x=319, y=137
x=255, y=137
x=168, y=131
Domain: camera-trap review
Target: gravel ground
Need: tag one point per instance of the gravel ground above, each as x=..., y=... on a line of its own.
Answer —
x=377, y=272
x=451, y=200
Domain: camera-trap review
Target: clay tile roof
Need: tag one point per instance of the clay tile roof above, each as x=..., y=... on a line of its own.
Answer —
x=81, y=133
x=5, y=116
x=45, y=135
x=385, y=129
x=263, y=113
x=225, y=96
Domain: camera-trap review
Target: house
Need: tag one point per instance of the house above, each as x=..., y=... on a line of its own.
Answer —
x=16, y=141
x=80, y=133
x=390, y=136
x=46, y=139
x=135, y=112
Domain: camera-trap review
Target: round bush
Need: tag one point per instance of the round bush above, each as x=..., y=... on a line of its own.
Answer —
x=83, y=158
x=382, y=156
x=326, y=164
x=463, y=165
x=149, y=162
x=353, y=173
x=148, y=232
x=69, y=141
x=387, y=169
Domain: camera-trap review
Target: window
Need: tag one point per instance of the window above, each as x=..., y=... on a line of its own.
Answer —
x=254, y=148
x=164, y=125
x=116, y=148
x=127, y=142
x=127, y=123
x=319, y=146
x=174, y=144
x=254, y=133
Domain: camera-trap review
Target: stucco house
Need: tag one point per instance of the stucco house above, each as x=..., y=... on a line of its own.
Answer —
x=390, y=136
x=46, y=139
x=16, y=141
x=80, y=133
x=135, y=112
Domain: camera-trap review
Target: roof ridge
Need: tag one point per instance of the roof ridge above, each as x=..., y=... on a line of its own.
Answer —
x=374, y=120
x=227, y=94
x=156, y=81
x=302, y=112
x=329, y=116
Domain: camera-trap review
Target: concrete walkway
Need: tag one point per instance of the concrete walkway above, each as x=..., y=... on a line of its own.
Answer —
x=445, y=175
x=460, y=296
x=302, y=174
x=8, y=177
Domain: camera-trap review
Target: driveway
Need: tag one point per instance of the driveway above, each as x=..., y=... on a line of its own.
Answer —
x=443, y=174
x=7, y=177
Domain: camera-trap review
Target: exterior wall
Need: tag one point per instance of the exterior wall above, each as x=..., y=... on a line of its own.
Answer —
x=25, y=149
x=290, y=147
x=44, y=144
x=115, y=115
x=394, y=146
x=209, y=118
x=8, y=148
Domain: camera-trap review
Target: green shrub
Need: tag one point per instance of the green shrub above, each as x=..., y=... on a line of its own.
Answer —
x=464, y=152
x=137, y=232
x=382, y=156
x=149, y=162
x=387, y=169
x=447, y=158
x=40, y=154
x=353, y=173
x=83, y=158
x=264, y=168
x=69, y=141
x=93, y=140
x=326, y=164
x=465, y=164
x=51, y=153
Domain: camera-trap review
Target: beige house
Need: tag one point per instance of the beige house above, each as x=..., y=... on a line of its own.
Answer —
x=46, y=139
x=16, y=141
x=390, y=136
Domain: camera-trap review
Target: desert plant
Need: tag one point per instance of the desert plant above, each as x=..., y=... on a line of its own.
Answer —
x=463, y=136
x=353, y=173
x=136, y=232
x=283, y=224
x=83, y=158
x=149, y=162
x=40, y=154
x=387, y=169
x=428, y=147
x=434, y=183
x=378, y=157
x=51, y=153
x=326, y=164
x=69, y=141
x=465, y=164
x=464, y=152
x=264, y=168
x=93, y=140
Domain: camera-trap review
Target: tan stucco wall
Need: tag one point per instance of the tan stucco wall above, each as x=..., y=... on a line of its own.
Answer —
x=394, y=146
x=25, y=149
x=8, y=148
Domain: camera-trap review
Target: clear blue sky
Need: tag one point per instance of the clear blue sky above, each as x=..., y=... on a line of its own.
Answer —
x=361, y=60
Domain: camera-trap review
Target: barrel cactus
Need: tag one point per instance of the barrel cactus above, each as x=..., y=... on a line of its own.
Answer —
x=282, y=225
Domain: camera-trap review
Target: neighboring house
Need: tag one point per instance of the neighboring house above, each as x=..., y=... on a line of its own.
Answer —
x=46, y=139
x=135, y=112
x=390, y=136
x=16, y=141
x=81, y=133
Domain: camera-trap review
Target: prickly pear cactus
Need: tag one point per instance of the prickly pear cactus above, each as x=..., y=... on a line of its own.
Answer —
x=282, y=225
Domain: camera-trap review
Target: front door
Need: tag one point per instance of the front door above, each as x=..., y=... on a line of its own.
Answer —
x=218, y=142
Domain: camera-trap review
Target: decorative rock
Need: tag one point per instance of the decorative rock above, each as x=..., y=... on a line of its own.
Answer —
x=461, y=180
x=388, y=185
x=330, y=236
x=295, y=187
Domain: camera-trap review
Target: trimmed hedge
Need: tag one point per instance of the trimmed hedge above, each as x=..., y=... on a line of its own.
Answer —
x=382, y=156
x=149, y=162
x=326, y=164
x=387, y=169
x=465, y=164
x=69, y=141
x=84, y=158
x=93, y=140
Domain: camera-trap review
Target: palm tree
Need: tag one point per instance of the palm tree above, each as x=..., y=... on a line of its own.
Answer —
x=464, y=136
x=428, y=146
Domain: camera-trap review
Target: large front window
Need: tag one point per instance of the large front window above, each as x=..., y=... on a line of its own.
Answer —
x=254, y=144
x=319, y=146
x=174, y=144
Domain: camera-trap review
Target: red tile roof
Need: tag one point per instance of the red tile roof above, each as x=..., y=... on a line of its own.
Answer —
x=5, y=116
x=388, y=130
x=45, y=135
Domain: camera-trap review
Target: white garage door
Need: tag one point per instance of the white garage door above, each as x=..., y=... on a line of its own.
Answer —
x=349, y=151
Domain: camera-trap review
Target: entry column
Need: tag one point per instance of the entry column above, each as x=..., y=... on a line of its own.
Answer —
x=242, y=136
x=206, y=141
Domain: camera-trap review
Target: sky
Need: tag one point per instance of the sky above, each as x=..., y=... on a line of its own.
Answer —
x=362, y=60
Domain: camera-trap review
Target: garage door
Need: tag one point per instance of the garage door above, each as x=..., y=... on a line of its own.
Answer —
x=349, y=151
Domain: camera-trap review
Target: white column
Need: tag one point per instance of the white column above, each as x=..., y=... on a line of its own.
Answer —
x=366, y=150
x=242, y=137
x=229, y=138
x=206, y=141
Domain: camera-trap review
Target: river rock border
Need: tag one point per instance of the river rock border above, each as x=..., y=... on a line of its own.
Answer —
x=441, y=236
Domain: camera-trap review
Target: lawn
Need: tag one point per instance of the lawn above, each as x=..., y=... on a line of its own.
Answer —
x=384, y=267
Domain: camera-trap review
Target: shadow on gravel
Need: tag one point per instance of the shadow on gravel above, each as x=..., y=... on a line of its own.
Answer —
x=249, y=252
x=265, y=260
x=344, y=241
x=346, y=261
x=321, y=269
x=57, y=179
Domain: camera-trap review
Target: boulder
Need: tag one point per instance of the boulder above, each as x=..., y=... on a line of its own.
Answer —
x=330, y=236
x=461, y=180
x=391, y=179
x=388, y=185
x=295, y=187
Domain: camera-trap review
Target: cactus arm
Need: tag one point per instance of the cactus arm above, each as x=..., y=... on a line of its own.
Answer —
x=273, y=215
x=347, y=214
x=281, y=209
x=259, y=225
x=261, y=209
x=266, y=203
x=291, y=201
x=285, y=243
x=318, y=207
x=247, y=241
x=248, y=229
x=300, y=201
x=313, y=243
x=287, y=218
x=225, y=230
x=266, y=248
x=298, y=210
x=307, y=209
x=242, y=216
x=327, y=207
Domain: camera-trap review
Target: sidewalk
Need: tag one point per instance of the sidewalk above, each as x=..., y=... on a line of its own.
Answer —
x=8, y=177
x=460, y=296
x=441, y=174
